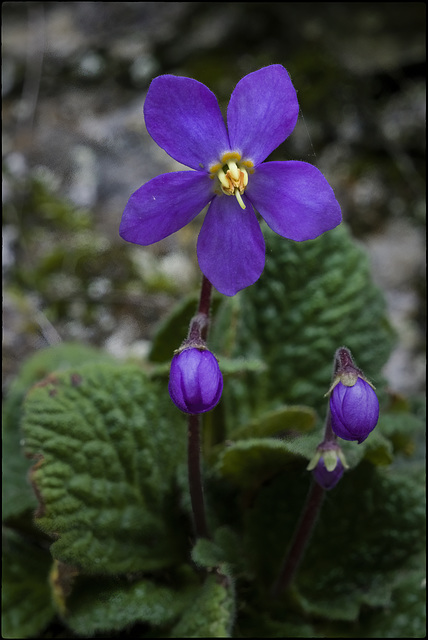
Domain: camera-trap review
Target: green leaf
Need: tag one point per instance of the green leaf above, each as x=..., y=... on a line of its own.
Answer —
x=211, y=613
x=249, y=463
x=233, y=367
x=378, y=449
x=17, y=494
x=312, y=298
x=371, y=526
x=108, y=442
x=288, y=418
x=107, y=605
x=26, y=601
x=207, y=554
x=174, y=329
x=401, y=428
x=404, y=616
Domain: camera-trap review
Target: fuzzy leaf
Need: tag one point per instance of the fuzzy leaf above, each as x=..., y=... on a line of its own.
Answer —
x=211, y=613
x=248, y=463
x=108, y=444
x=107, y=605
x=370, y=526
x=173, y=330
x=312, y=298
x=26, y=603
x=17, y=494
x=295, y=419
x=401, y=428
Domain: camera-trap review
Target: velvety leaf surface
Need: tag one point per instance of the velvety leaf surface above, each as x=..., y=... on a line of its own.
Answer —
x=173, y=330
x=312, y=298
x=248, y=463
x=107, y=444
x=211, y=613
x=16, y=491
x=353, y=552
x=114, y=605
x=284, y=419
x=26, y=603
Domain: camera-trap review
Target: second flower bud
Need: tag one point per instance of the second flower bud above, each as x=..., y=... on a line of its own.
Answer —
x=195, y=381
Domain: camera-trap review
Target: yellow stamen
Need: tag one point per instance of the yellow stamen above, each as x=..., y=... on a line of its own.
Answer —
x=230, y=155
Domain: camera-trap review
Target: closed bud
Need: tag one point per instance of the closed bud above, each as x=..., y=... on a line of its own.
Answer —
x=354, y=405
x=195, y=381
x=354, y=410
x=328, y=465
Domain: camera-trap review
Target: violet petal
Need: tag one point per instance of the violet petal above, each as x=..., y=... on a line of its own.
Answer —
x=231, y=247
x=195, y=381
x=183, y=116
x=164, y=205
x=262, y=112
x=354, y=410
x=294, y=198
x=328, y=479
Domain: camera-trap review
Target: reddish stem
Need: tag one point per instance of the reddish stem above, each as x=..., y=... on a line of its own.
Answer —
x=198, y=332
x=301, y=537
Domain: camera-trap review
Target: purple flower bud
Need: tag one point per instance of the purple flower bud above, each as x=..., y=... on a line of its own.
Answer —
x=195, y=380
x=325, y=478
x=354, y=410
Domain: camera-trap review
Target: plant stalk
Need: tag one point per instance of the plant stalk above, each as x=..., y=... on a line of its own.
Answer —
x=300, y=540
x=195, y=477
x=198, y=332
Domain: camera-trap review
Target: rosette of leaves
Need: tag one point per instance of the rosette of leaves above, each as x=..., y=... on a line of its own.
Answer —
x=312, y=298
x=108, y=547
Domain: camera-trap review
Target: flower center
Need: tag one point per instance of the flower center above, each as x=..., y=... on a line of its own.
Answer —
x=232, y=175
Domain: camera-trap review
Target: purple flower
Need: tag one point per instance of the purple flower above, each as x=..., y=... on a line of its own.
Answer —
x=195, y=380
x=354, y=410
x=325, y=478
x=184, y=118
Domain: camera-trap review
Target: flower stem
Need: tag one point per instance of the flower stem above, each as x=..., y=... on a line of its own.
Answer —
x=198, y=332
x=195, y=477
x=199, y=325
x=305, y=525
x=300, y=540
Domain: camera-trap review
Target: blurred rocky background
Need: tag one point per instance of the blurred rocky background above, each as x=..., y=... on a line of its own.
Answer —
x=75, y=75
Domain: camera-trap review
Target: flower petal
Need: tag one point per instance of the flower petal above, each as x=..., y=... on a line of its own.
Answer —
x=262, y=112
x=182, y=115
x=231, y=247
x=294, y=198
x=164, y=205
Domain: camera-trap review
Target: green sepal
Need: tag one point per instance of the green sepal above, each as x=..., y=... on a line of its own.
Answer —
x=107, y=442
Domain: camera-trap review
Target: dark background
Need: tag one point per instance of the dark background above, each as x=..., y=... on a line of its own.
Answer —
x=75, y=147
